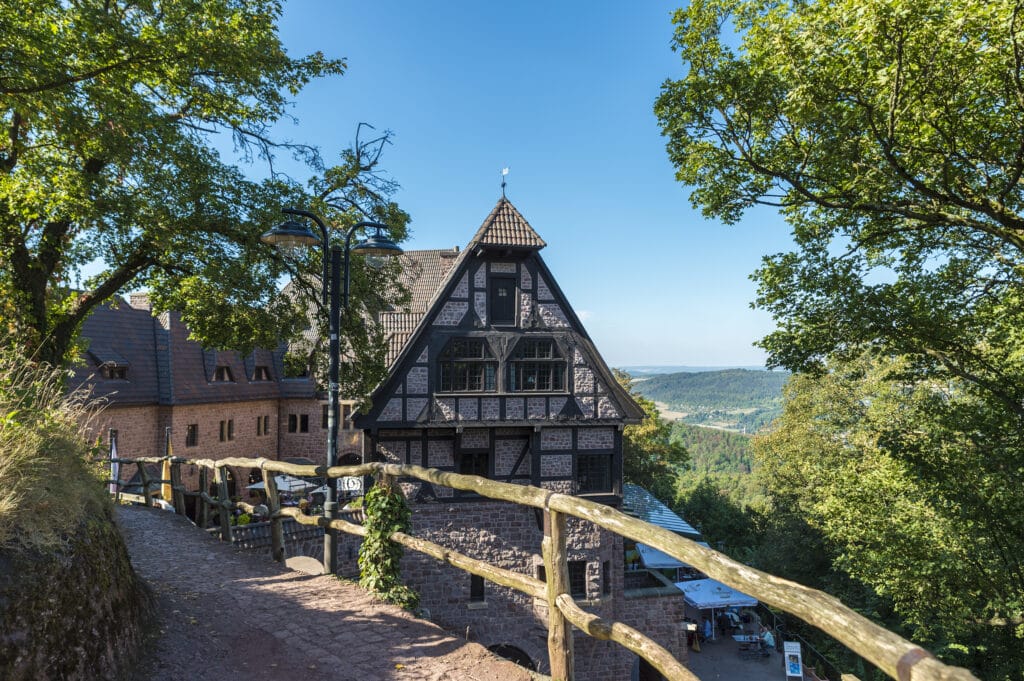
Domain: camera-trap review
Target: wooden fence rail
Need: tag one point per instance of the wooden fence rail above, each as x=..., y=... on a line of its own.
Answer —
x=897, y=657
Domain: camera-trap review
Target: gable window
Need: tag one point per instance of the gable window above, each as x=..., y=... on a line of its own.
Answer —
x=537, y=365
x=223, y=374
x=503, y=300
x=192, y=435
x=261, y=373
x=468, y=365
x=593, y=473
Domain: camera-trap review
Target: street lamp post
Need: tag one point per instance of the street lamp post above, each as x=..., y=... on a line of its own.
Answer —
x=290, y=236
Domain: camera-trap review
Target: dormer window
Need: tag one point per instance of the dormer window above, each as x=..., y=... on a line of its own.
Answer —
x=114, y=372
x=537, y=365
x=468, y=365
x=261, y=373
x=223, y=375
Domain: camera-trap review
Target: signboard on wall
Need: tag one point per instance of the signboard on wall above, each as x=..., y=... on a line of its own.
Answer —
x=794, y=663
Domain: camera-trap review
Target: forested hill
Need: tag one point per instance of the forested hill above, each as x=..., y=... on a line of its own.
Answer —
x=736, y=399
x=725, y=389
x=713, y=450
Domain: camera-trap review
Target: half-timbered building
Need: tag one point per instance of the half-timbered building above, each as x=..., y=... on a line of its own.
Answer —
x=499, y=378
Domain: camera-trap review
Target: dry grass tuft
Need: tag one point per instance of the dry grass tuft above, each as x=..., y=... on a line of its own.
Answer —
x=46, y=481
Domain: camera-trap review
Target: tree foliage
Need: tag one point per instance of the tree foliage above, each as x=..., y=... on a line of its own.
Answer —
x=116, y=118
x=891, y=135
x=917, y=488
x=650, y=458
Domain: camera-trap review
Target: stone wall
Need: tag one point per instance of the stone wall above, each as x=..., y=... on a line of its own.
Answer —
x=510, y=536
x=74, y=614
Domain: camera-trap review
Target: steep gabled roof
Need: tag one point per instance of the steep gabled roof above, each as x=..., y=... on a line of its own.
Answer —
x=505, y=227
x=422, y=274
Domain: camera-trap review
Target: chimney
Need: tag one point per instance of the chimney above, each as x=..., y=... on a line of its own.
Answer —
x=139, y=301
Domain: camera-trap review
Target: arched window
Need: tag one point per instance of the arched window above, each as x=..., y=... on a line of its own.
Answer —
x=468, y=365
x=537, y=365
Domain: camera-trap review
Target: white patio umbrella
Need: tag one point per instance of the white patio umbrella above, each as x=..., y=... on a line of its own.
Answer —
x=286, y=483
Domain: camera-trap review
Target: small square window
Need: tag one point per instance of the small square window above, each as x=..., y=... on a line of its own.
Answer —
x=192, y=435
x=223, y=374
x=593, y=473
x=503, y=300
x=578, y=578
x=261, y=373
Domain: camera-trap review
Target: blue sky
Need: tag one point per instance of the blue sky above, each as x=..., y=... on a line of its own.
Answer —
x=562, y=94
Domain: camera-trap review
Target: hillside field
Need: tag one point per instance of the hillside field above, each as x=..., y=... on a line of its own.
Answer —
x=742, y=400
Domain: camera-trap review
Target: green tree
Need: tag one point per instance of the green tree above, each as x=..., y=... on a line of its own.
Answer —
x=897, y=478
x=889, y=133
x=115, y=116
x=650, y=458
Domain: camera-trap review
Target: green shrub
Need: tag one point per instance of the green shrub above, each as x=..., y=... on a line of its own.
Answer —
x=46, y=479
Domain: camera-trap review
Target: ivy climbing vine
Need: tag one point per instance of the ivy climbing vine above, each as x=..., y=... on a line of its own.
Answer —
x=379, y=558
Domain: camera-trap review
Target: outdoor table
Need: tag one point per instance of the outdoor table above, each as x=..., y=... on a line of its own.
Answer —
x=751, y=645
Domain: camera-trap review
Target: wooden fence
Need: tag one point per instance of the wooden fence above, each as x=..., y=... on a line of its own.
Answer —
x=897, y=657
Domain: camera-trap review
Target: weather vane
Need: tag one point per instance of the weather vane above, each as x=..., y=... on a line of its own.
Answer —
x=504, y=174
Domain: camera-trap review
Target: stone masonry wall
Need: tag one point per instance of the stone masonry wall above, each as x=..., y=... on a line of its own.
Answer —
x=509, y=536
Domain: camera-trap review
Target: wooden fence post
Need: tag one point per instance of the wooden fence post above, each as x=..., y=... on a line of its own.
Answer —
x=145, y=484
x=556, y=568
x=202, y=514
x=179, y=496
x=222, y=497
x=274, y=505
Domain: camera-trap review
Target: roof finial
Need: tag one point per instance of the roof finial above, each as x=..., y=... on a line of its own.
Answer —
x=504, y=173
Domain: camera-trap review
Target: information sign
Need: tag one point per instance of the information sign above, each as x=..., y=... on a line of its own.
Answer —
x=351, y=483
x=794, y=664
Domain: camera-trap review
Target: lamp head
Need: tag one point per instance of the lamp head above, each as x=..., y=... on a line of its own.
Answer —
x=376, y=247
x=291, y=237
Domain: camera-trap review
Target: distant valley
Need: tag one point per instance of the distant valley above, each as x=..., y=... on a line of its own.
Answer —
x=742, y=400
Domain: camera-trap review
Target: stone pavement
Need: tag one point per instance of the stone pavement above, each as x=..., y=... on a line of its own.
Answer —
x=226, y=614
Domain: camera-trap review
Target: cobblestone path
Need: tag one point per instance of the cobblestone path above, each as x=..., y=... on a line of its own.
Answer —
x=225, y=614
